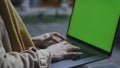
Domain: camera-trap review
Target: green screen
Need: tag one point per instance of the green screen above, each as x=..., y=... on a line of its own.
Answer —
x=95, y=22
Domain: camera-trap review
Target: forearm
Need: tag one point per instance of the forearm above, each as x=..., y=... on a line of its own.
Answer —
x=31, y=58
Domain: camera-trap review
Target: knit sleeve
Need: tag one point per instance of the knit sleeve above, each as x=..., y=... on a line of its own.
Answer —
x=31, y=58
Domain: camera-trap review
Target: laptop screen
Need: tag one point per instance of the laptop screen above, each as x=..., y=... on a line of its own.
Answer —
x=95, y=22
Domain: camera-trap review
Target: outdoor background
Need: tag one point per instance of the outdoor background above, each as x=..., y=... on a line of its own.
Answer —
x=43, y=16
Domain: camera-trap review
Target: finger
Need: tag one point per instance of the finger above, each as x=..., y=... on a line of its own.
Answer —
x=72, y=47
x=49, y=37
x=58, y=35
x=54, y=39
x=69, y=46
x=54, y=36
x=71, y=55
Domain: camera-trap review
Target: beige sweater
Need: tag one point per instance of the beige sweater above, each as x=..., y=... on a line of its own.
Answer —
x=15, y=40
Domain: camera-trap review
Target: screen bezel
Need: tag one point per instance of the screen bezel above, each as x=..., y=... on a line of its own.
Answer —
x=87, y=44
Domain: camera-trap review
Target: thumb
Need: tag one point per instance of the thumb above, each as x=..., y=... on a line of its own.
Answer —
x=70, y=55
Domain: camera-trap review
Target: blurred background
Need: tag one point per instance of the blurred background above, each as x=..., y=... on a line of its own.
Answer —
x=43, y=16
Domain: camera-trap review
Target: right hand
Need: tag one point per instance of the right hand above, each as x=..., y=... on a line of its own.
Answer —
x=47, y=39
x=63, y=50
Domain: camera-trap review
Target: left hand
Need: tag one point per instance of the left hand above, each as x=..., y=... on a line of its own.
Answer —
x=63, y=50
x=47, y=39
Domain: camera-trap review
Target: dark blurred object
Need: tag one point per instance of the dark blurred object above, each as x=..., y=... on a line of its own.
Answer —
x=81, y=66
x=54, y=3
x=118, y=35
x=34, y=2
x=50, y=3
x=16, y=2
x=72, y=2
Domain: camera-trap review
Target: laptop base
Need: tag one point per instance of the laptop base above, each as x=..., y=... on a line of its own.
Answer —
x=84, y=59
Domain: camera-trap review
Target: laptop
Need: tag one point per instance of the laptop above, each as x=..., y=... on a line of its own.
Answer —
x=92, y=27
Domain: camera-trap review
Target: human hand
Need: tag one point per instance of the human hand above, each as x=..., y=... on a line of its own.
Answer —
x=63, y=50
x=47, y=39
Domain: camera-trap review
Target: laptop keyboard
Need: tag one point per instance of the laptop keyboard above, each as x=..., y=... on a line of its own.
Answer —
x=84, y=50
x=84, y=55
